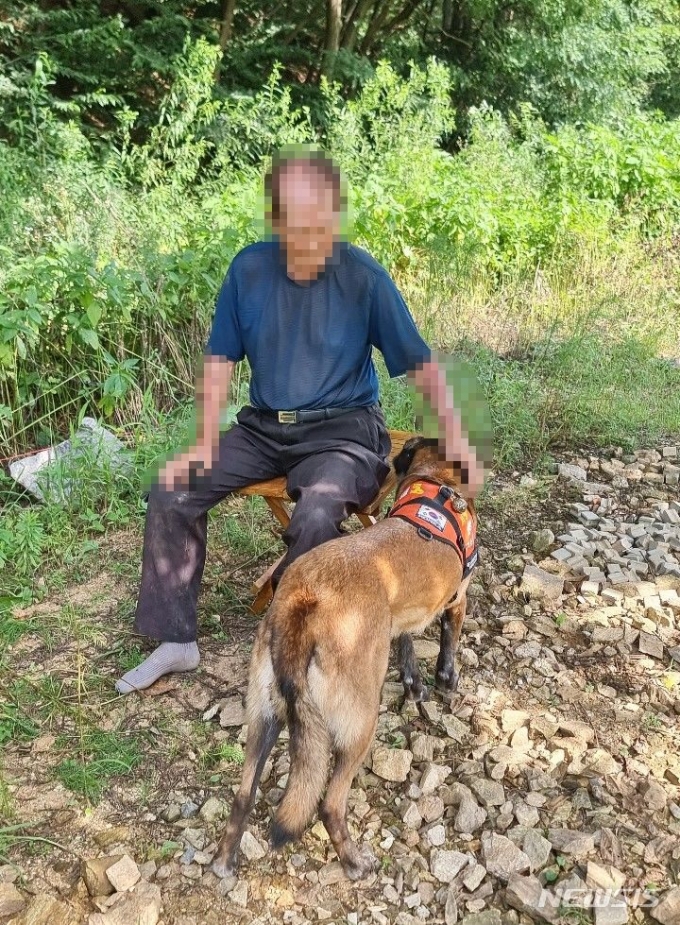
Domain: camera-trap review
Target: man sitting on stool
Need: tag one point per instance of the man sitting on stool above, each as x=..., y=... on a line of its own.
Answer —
x=306, y=308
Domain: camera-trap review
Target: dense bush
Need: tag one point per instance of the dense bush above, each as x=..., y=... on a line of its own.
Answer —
x=112, y=263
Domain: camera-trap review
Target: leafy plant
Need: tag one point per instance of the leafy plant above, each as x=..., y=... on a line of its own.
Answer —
x=105, y=755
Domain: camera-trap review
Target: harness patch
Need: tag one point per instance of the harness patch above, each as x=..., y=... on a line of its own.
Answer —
x=432, y=516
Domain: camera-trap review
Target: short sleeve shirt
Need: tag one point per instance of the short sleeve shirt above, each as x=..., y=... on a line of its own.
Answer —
x=311, y=346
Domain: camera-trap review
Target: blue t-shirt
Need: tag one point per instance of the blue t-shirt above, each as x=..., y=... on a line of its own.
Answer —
x=310, y=346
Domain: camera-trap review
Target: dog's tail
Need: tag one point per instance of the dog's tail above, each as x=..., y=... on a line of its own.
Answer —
x=309, y=744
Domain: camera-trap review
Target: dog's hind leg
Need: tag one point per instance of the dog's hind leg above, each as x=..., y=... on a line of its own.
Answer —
x=357, y=863
x=451, y=625
x=409, y=672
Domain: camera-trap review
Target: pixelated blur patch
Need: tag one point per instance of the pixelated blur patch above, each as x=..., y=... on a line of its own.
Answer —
x=470, y=403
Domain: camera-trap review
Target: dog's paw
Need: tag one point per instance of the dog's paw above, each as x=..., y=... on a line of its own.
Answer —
x=223, y=870
x=447, y=680
x=414, y=689
x=360, y=863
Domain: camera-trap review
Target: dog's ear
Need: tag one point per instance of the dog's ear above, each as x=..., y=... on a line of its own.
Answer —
x=403, y=460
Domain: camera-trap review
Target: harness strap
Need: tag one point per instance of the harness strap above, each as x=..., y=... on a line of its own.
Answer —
x=442, y=502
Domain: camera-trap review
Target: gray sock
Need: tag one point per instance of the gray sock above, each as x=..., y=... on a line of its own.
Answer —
x=168, y=657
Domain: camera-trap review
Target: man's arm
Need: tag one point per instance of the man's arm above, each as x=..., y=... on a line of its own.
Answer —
x=394, y=333
x=212, y=397
x=430, y=380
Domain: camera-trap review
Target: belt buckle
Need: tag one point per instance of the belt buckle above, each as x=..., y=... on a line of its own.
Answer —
x=287, y=417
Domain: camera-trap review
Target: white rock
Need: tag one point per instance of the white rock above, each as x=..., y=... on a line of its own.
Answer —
x=445, y=865
x=433, y=777
x=612, y=912
x=528, y=896
x=488, y=792
x=650, y=645
x=512, y=720
x=470, y=817
x=392, y=764
x=436, y=836
x=575, y=844
x=567, y=471
x=239, y=894
x=232, y=713
x=474, y=878
x=667, y=911
x=11, y=900
x=501, y=858
x=142, y=906
x=411, y=816
x=124, y=874
x=451, y=909
x=212, y=810
x=251, y=848
x=526, y=816
x=537, y=850
x=655, y=796
x=541, y=585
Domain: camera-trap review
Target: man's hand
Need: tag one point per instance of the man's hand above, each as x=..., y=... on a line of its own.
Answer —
x=176, y=473
x=212, y=395
x=430, y=381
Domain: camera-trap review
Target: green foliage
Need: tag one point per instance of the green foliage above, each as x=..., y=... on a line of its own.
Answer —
x=105, y=755
x=14, y=726
x=224, y=753
x=572, y=60
x=22, y=542
x=631, y=168
x=104, y=258
x=577, y=61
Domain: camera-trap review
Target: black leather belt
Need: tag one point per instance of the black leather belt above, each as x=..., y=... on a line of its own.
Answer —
x=307, y=417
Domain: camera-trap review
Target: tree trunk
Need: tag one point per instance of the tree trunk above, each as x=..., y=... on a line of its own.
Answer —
x=228, y=9
x=332, y=43
x=380, y=14
x=351, y=30
x=447, y=15
x=402, y=18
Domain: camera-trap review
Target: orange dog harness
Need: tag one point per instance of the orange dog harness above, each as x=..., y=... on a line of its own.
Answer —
x=440, y=513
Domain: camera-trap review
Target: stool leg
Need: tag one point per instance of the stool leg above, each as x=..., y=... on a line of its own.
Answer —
x=262, y=588
x=280, y=511
x=366, y=519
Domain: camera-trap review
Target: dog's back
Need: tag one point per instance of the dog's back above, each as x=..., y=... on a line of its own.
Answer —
x=328, y=668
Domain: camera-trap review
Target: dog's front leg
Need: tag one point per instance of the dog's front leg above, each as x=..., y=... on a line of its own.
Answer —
x=451, y=625
x=262, y=734
x=409, y=673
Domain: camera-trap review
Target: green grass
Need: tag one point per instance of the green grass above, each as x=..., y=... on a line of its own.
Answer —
x=128, y=657
x=31, y=706
x=104, y=755
x=12, y=629
x=6, y=802
x=224, y=753
x=15, y=726
x=164, y=852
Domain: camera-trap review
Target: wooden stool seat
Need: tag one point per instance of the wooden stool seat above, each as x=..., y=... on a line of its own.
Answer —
x=274, y=493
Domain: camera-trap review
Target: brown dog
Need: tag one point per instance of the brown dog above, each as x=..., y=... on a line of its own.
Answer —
x=321, y=653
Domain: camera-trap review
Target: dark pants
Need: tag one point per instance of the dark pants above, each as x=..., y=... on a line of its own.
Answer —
x=333, y=468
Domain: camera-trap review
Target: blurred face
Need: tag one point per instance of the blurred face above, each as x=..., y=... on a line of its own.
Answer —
x=308, y=224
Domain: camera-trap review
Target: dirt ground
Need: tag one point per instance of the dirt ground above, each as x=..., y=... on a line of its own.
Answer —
x=575, y=730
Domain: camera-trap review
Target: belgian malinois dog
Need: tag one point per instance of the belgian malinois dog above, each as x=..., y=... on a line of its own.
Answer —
x=321, y=653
